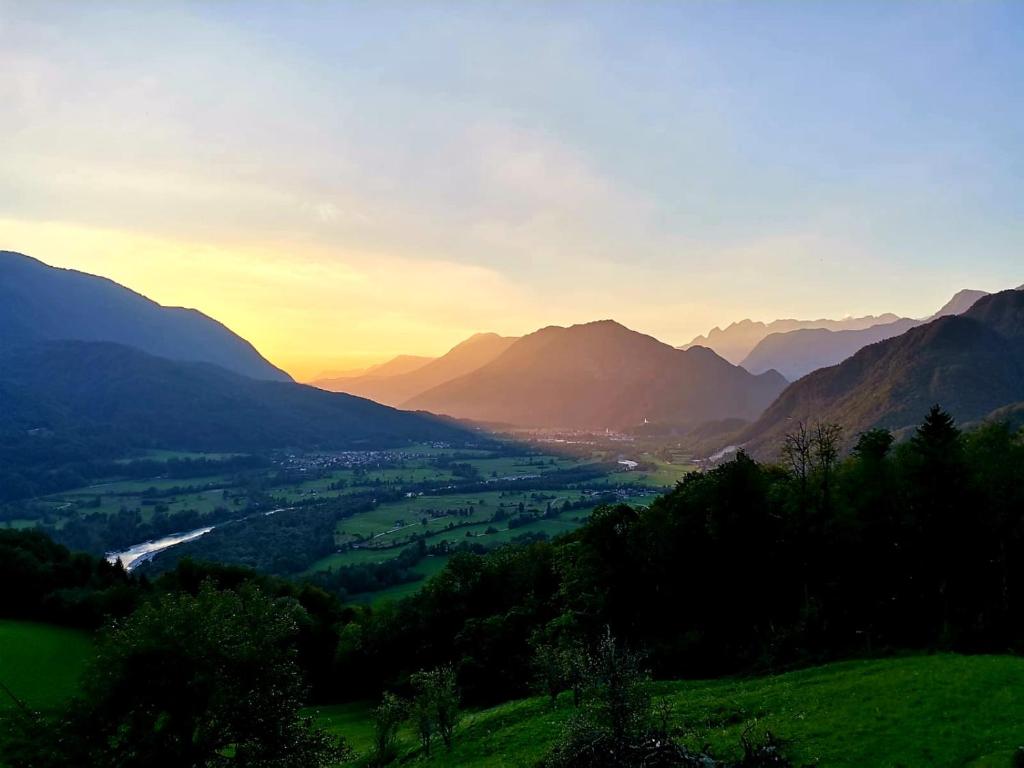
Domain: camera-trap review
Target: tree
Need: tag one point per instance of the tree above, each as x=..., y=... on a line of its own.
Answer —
x=826, y=454
x=796, y=452
x=436, y=705
x=388, y=718
x=549, y=667
x=186, y=681
x=873, y=445
x=938, y=474
x=937, y=438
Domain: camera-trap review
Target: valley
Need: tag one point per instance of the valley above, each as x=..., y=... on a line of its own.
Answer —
x=419, y=503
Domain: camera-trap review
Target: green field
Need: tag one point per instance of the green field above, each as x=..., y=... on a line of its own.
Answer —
x=663, y=475
x=419, y=493
x=39, y=663
x=486, y=532
x=939, y=711
x=429, y=566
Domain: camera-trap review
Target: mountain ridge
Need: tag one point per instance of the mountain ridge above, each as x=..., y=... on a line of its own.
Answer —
x=970, y=364
x=600, y=375
x=88, y=389
x=796, y=353
x=39, y=302
x=736, y=340
x=464, y=357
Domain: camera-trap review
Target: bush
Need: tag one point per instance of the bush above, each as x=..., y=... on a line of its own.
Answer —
x=619, y=726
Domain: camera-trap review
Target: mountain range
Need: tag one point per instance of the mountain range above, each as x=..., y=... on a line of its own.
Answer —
x=116, y=394
x=600, y=375
x=738, y=339
x=796, y=353
x=395, y=382
x=971, y=364
x=39, y=303
x=85, y=360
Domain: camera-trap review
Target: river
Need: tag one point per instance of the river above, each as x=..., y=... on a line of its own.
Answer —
x=147, y=550
x=138, y=554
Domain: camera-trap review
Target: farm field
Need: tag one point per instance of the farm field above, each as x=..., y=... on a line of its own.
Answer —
x=381, y=502
x=39, y=663
x=941, y=711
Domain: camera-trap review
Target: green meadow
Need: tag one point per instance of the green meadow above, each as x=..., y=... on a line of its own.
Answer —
x=40, y=664
x=935, y=711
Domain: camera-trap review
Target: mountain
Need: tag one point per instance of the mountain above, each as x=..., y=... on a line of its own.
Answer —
x=39, y=302
x=736, y=340
x=393, y=367
x=471, y=354
x=971, y=364
x=797, y=353
x=960, y=303
x=398, y=365
x=119, y=395
x=601, y=375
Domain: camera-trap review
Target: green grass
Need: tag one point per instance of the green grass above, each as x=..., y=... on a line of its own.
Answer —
x=664, y=474
x=429, y=566
x=389, y=542
x=353, y=721
x=940, y=711
x=39, y=663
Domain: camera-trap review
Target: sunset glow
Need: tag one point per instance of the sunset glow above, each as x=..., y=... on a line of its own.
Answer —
x=340, y=183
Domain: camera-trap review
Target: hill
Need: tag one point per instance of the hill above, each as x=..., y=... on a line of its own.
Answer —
x=113, y=393
x=940, y=711
x=736, y=340
x=972, y=364
x=39, y=303
x=601, y=375
x=797, y=353
x=392, y=386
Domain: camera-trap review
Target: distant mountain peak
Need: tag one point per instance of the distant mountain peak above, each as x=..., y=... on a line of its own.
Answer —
x=962, y=301
x=737, y=340
x=396, y=389
x=600, y=375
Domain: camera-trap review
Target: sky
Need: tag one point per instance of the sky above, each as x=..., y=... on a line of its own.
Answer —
x=343, y=182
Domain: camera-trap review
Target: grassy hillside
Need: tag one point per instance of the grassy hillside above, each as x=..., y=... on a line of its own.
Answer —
x=936, y=711
x=40, y=664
